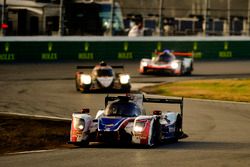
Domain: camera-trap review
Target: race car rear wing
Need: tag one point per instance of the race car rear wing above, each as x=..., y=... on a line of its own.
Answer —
x=147, y=100
x=91, y=67
x=84, y=67
x=180, y=54
x=166, y=100
x=184, y=54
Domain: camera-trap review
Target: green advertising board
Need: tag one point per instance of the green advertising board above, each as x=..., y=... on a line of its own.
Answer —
x=87, y=49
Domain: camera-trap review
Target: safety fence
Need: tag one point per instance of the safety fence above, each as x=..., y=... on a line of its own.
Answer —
x=61, y=49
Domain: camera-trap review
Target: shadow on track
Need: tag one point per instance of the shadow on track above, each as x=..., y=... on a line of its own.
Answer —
x=205, y=145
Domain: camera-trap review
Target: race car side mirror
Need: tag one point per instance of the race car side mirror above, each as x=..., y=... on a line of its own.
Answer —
x=157, y=112
x=85, y=110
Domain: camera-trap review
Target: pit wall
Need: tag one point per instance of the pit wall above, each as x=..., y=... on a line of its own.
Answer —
x=63, y=49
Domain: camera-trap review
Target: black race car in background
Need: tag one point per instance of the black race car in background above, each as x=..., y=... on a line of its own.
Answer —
x=168, y=62
x=103, y=77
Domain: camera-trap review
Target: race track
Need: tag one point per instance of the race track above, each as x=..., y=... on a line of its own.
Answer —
x=218, y=131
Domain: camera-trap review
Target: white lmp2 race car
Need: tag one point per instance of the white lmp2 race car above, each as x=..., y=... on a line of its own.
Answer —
x=123, y=121
x=168, y=62
x=103, y=77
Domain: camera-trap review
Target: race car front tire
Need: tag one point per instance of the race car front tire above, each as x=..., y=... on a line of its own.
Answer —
x=190, y=69
x=77, y=83
x=182, y=70
x=85, y=88
x=126, y=88
x=82, y=143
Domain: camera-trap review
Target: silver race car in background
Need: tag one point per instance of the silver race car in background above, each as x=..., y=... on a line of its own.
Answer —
x=123, y=120
x=103, y=77
x=168, y=62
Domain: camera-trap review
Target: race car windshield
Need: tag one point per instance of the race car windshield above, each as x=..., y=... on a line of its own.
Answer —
x=165, y=57
x=104, y=72
x=124, y=109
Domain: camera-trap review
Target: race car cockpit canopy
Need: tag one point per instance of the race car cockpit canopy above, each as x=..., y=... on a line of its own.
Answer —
x=103, y=72
x=123, y=109
x=100, y=71
x=103, y=63
x=164, y=57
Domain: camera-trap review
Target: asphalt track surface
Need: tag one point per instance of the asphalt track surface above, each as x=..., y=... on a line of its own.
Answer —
x=219, y=132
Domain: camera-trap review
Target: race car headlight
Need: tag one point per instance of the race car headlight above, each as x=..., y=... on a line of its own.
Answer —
x=124, y=79
x=139, y=126
x=81, y=127
x=144, y=63
x=85, y=79
x=79, y=123
x=174, y=65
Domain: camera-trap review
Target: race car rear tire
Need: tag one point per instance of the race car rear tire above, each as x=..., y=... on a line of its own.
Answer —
x=188, y=73
x=82, y=144
x=190, y=69
x=144, y=71
x=182, y=72
x=155, y=139
x=178, y=128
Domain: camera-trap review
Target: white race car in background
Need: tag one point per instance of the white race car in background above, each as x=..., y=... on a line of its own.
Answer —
x=174, y=63
x=103, y=77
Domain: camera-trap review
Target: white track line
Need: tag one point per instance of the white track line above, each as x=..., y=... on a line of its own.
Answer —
x=36, y=116
x=30, y=152
x=203, y=100
x=218, y=101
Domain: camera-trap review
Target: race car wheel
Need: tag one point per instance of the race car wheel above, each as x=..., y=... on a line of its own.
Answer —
x=77, y=87
x=126, y=88
x=189, y=72
x=125, y=138
x=155, y=138
x=82, y=144
x=144, y=71
x=85, y=88
x=178, y=128
x=182, y=69
x=77, y=84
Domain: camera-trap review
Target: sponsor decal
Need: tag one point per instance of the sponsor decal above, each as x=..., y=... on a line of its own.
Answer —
x=125, y=54
x=109, y=125
x=196, y=53
x=159, y=46
x=195, y=46
x=50, y=55
x=225, y=53
x=7, y=56
x=86, y=55
x=76, y=132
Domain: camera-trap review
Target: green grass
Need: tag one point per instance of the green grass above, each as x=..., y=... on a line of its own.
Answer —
x=216, y=89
